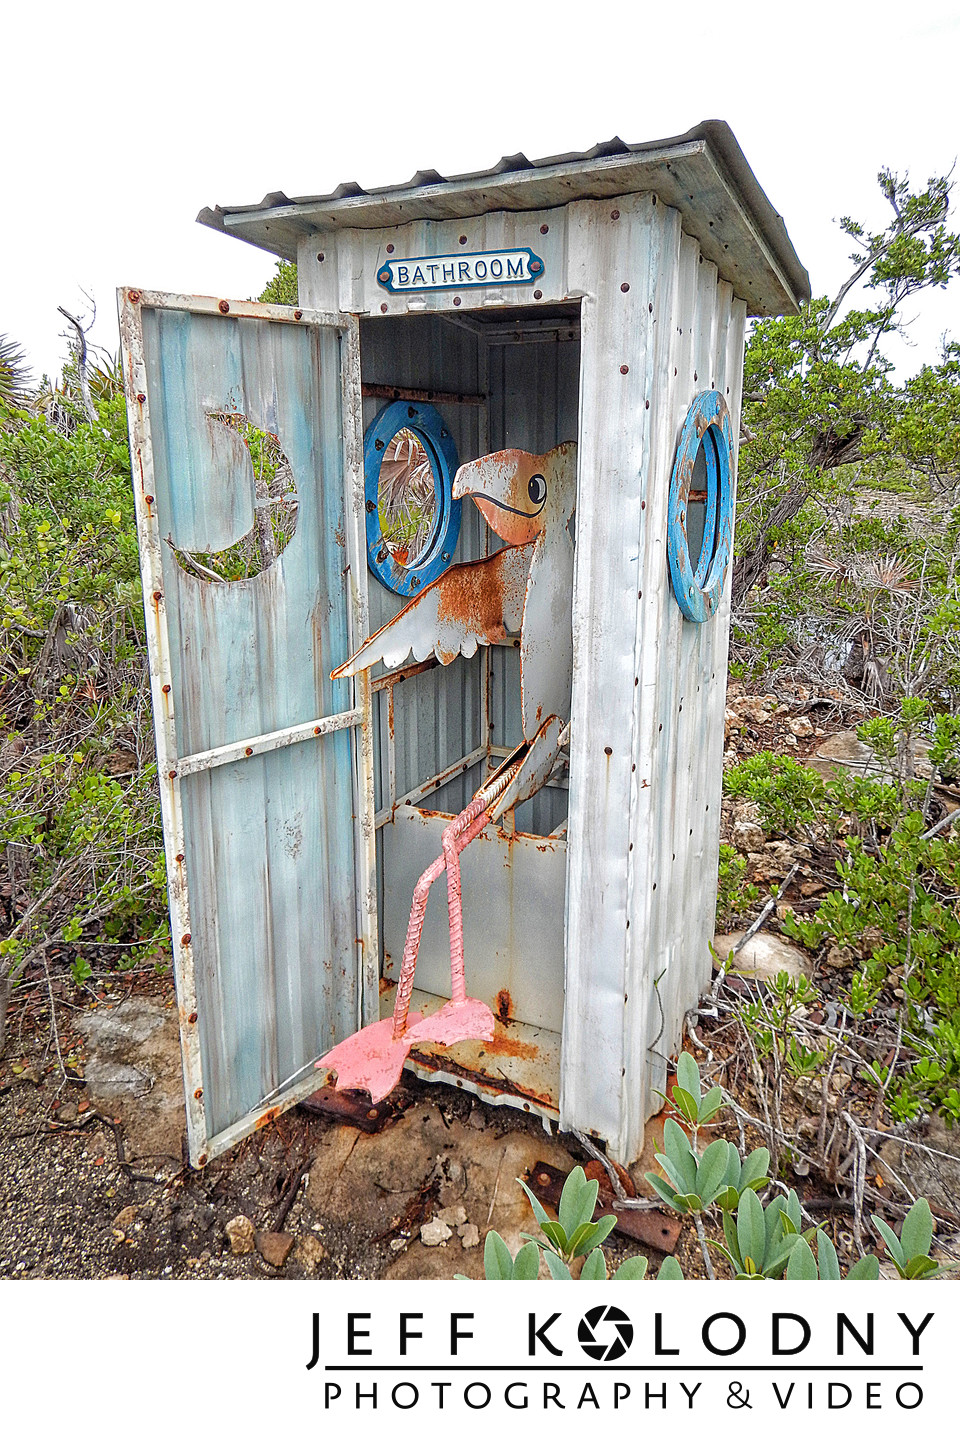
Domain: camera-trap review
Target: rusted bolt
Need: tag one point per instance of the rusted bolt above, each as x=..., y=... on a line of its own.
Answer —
x=316, y=732
x=192, y=1018
x=158, y=597
x=414, y=582
x=248, y=752
x=383, y=308
x=378, y=445
x=224, y=307
x=372, y=1114
x=134, y=296
x=201, y=1160
x=148, y=499
x=624, y=368
x=445, y=557
x=172, y=775
x=614, y=214
x=535, y=266
x=389, y=248
x=456, y=305
x=538, y=293
x=463, y=239
x=370, y=506
x=643, y=504
x=141, y=398
x=321, y=258
x=180, y=857
x=646, y=404
x=624, y=288
x=544, y=228
x=198, y=1094
x=608, y=751
x=298, y=313
x=544, y=1179
x=185, y=939
x=165, y=688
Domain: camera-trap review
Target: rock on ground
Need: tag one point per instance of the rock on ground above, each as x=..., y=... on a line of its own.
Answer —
x=934, y=1173
x=371, y=1184
x=133, y=1071
x=240, y=1233
x=764, y=955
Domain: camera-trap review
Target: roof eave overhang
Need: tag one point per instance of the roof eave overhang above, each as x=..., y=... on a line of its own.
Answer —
x=703, y=174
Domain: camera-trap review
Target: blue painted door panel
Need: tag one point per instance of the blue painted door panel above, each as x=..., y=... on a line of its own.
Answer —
x=268, y=840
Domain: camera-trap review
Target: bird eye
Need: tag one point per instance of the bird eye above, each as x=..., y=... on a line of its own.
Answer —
x=537, y=488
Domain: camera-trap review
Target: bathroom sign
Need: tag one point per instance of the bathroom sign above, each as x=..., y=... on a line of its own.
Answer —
x=460, y=271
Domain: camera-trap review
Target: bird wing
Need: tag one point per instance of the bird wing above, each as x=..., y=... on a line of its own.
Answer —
x=470, y=605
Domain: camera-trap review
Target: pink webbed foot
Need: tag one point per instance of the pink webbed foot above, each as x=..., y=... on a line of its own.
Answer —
x=466, y=1020
x=372, y=1059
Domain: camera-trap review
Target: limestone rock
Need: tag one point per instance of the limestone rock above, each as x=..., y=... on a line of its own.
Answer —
x=469, y=1235
x=801, y=727
x=310, y=1252
x=133, y=1071
x=753, y=709
x=748, y=837
x=240, y=1234
x=435, y=1232
x=492, y=1193
x=844, y=752
x=452, y=1215
x=764, y=955
x=934, y=1173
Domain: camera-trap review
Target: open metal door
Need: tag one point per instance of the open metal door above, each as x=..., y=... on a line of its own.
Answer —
x=265, y=764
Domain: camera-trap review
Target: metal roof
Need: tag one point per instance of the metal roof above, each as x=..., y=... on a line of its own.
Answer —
x=703, y=173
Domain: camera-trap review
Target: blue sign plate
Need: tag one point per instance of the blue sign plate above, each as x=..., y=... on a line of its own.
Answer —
x=460, y=271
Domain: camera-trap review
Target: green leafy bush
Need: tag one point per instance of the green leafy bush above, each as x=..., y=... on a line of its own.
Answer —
x=759, y=1242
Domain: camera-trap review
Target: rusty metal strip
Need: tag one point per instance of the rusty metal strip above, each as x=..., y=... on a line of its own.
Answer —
x=267, y=742
x=236, y=308
x=657, y=1229
x=399, y=675
x=423, y=396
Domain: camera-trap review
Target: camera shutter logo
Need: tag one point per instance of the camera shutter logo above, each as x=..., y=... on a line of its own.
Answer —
x=605, y=1333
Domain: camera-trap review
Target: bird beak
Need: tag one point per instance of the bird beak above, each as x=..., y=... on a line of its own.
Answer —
x=510, y=491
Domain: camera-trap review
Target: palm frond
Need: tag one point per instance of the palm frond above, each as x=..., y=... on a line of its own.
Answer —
x=14, y=372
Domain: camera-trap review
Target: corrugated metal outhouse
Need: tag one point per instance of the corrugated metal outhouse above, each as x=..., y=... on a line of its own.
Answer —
x=593, y=299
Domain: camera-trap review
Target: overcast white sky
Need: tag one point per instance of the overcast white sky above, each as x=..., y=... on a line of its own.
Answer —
x=121, y=121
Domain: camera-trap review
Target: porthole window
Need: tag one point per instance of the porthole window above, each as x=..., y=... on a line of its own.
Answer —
x=700, y=516
x=413, y=521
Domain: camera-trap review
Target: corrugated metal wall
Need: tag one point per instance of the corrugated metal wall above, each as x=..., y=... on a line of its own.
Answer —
x=647, y=723
x=268, y=840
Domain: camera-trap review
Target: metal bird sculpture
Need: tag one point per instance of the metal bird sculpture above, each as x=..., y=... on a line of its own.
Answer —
x=525, y=588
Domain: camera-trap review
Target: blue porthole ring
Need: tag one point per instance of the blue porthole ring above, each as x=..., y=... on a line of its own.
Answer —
x=427, y=425
x=698, y=590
